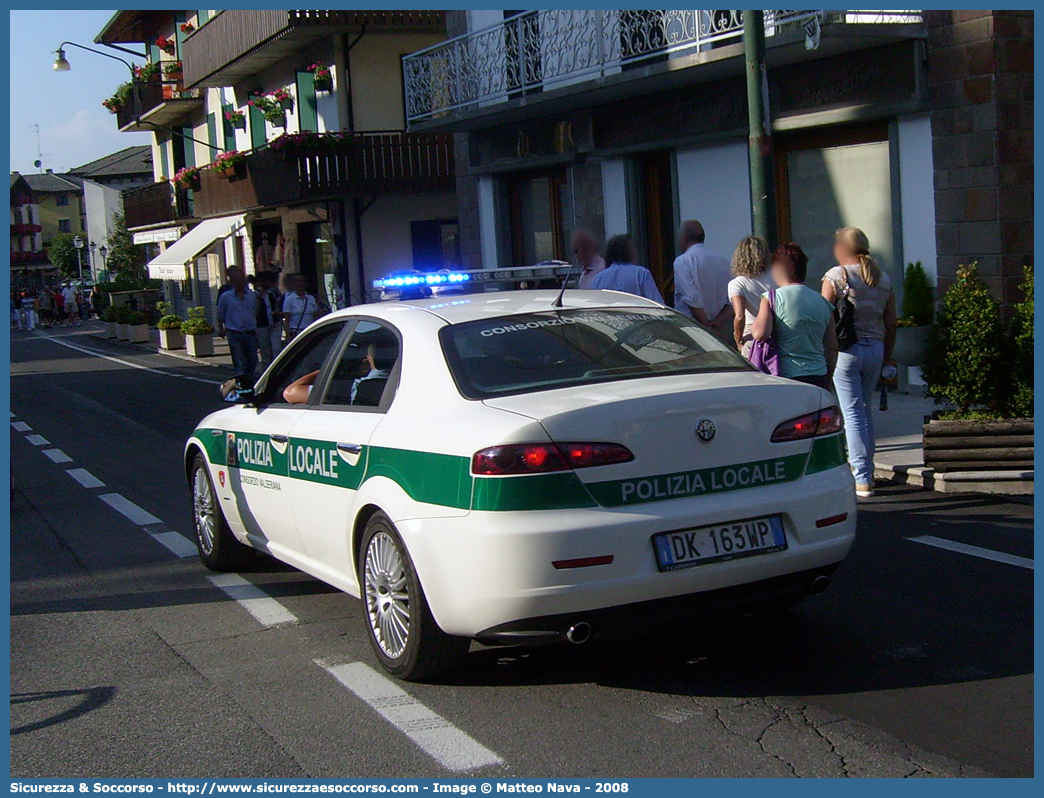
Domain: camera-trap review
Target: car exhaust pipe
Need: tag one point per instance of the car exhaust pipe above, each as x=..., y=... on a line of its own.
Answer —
x=579, y=633
x=819, y=585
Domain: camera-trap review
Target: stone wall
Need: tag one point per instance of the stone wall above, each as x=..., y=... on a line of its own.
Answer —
x=980, y=76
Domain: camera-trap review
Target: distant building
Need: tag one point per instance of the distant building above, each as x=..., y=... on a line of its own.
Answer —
x=28, y=256
x=61, y=209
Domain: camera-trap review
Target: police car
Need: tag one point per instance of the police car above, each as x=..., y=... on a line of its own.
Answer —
x=522, y=467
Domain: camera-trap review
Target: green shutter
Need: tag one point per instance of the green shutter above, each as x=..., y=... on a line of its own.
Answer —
x=212, y=138
x=189, y=146
x=257, y=127
x=154, y=53
x=229, y=131
x=201, y=18
x=164, y=163
x=179, y=19
x=307, y=114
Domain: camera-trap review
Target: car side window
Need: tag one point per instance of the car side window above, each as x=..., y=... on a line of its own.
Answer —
x=364, y=374
x=307, y=356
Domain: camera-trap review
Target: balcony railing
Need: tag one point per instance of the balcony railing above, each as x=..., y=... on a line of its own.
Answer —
x=541, y=50
x=233, y=44
x=157, y=204
x=316, y=167
x=156, y=103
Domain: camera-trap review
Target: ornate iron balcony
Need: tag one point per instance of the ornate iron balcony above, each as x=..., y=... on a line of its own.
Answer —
x=540, y=50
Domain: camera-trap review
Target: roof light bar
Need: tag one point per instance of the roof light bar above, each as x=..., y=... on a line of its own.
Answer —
x=406, y=280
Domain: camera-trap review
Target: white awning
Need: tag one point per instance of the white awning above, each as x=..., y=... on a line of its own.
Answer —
x=173, y=263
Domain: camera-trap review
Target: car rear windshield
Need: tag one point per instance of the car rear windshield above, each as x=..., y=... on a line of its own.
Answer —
x=558, y=349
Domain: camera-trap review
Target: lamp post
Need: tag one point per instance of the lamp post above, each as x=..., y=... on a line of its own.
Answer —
x=104, y=251
x=78, y=243
x=94, y=248
x=759, y=142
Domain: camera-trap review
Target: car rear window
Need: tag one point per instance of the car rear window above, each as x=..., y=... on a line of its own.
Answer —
x=541, y=351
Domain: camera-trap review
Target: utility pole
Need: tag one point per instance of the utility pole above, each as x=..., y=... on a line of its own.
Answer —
x=762, y=168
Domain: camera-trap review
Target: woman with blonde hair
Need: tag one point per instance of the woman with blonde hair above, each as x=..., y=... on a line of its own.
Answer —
x=751, y=280
x=859, y=280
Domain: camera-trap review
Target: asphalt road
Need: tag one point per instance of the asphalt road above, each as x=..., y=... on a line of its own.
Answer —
x=126, y=660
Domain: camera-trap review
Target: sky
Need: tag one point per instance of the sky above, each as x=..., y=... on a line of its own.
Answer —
x=74, y=127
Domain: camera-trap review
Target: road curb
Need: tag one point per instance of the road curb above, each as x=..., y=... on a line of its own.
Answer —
x=1005, y=483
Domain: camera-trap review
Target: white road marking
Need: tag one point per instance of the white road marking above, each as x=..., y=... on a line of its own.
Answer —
x=129, y=509
x=37, y=440
x=20, y=426
x=84, y=477
x=123, y=362
x=432, y=733
x=253, y=599
x=974, y=551
x=176, y=543
x=57, y=456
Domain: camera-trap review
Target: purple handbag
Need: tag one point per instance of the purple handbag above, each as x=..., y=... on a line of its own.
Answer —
x=764, y=355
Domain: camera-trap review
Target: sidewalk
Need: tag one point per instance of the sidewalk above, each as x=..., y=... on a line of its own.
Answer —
x=221, y=356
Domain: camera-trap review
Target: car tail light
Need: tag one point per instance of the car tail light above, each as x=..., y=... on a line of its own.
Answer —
x=822, y=422
x=540, y=458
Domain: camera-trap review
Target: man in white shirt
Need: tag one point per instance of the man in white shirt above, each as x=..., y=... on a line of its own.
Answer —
x=299, y=307
x=701, y=280
x=585, y=248
x=72, y=307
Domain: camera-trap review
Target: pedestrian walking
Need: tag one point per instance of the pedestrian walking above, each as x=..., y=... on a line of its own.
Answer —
x=857, y=279
x=72, y=308
x=585, y=248
x=46, y=308
x=299, y=307
x=802, y=321
x=28, y=307
x=237, y=322
x=59, y=306
x=622, y=272
x=751, y=281
x=701, y=280
x=269, y=317
x=16, y=315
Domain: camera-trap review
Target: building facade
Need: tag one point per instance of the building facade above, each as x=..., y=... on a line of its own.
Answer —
x=329, y=183
x=28, y=255
x=914, y=126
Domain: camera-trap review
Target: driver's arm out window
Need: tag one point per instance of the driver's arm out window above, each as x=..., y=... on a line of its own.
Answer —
x=307, y=356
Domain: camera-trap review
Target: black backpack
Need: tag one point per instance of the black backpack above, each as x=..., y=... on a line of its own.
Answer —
x=844, y=316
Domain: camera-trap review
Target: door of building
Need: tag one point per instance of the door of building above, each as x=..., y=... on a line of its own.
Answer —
x=657, y=216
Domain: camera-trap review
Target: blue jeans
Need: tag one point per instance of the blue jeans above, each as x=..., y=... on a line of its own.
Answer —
x=855, y=379
x=243, y=348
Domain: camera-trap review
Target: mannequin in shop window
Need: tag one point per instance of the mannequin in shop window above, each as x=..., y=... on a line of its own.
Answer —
x=263, y=255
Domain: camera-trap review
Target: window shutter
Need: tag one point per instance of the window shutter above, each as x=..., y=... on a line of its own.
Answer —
x=307, y=114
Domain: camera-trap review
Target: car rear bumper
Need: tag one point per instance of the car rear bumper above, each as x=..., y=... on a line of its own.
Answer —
x=487, y=569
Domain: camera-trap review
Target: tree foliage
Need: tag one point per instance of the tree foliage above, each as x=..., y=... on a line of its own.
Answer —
x=918, y=299
x=124, y=256
x=62, y=253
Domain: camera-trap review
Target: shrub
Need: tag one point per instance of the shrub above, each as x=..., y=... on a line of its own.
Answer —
x=918, y=300
x=111, y=314
x=197, y=323
x=964, y=364
x=124, y=313
x=169, y=322
x=1020, y=403
x=136, y=317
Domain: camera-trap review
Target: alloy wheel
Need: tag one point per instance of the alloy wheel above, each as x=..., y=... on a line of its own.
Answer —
x=387, y=595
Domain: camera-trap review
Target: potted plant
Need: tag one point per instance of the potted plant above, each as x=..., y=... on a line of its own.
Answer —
x=166, y=45
x=187, y=27
x=236, y=118
x=109, y=317
x=169, y=326
x=321, y=77
x=283, y=98
x=913, y=328
x=146, y=72
x=187, y=177
x=230, y=164
x=137, y=327
x=982, y=368
x=112, y=104
x=274, y=113
x=199, y=333
x=123, y=316
x=173, y=71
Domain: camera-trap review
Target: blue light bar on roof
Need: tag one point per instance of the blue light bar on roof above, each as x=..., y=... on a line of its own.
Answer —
x=407, y=280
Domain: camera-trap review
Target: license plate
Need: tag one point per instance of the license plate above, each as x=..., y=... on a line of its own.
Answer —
x=690, y=547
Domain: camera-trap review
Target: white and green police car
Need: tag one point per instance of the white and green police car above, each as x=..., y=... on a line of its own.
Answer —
x=494, y=467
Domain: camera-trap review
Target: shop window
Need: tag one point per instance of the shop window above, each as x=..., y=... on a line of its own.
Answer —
x=537, y=208
x=436, y=244
x=830, y=180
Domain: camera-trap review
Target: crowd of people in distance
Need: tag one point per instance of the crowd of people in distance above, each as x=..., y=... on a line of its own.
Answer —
x=62, y=305
x=838, y=338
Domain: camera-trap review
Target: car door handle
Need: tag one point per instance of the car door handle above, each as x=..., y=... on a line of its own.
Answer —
x=278, y=438
x=350, y=448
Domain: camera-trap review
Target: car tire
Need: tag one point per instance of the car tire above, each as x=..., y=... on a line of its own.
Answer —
x=218, y=548
x=399, y=625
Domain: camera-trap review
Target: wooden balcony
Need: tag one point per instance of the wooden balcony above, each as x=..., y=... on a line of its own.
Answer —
x=237, y=44
x=155, y=104
x=157, y=204
x=330, y=167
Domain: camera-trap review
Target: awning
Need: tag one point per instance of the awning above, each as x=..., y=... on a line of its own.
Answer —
x=173, y=263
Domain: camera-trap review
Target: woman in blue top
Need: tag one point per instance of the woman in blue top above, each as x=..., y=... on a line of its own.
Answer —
x=803, y=321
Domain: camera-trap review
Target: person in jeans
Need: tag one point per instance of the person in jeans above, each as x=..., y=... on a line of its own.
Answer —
x=752, y=280
x=803, y=321
x=269, y=317
x=237, y=321
x=859, y=367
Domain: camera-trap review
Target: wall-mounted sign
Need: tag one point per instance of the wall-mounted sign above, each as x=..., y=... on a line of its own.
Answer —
x=155, y=236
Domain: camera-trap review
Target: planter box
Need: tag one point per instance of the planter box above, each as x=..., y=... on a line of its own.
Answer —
x=979, y=445
x=171, y=339
x=123, y=332
x=200, y=345
x=911, y=344
x=138, y=333
x=110, y=329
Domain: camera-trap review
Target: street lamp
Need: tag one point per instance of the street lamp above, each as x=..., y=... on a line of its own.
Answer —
x=78, y=243
x=61, y=63
x=94, y=248
x=103, y=251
